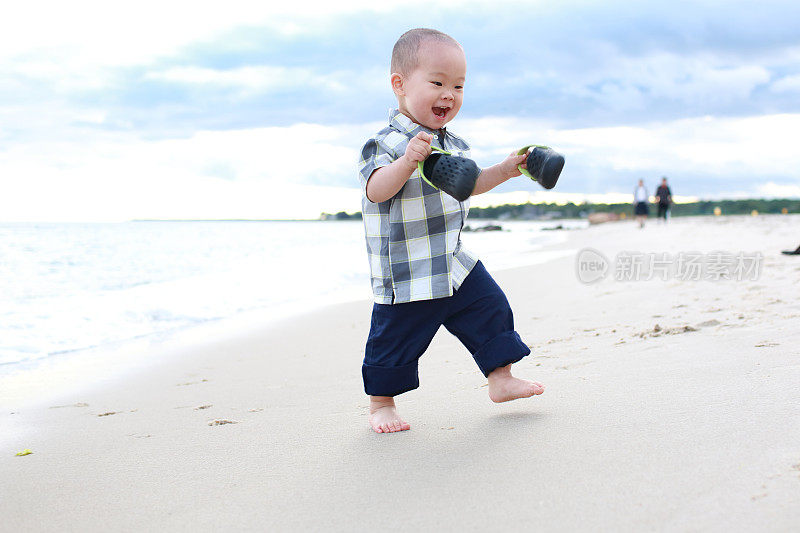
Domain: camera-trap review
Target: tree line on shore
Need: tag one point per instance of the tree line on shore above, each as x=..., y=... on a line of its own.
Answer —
x=530, y=211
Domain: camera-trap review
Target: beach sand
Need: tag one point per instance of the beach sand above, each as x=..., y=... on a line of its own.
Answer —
x=671, y=405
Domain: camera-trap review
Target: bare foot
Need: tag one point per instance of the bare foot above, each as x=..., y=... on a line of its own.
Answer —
x=503, y=387
x=383, y=415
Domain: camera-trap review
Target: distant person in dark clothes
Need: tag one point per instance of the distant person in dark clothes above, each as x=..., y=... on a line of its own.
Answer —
x=640, y=199
x=664, y=199
x=792, y=252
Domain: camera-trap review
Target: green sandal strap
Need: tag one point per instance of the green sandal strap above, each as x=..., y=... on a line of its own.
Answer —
x=522, y=151
x=422, y=174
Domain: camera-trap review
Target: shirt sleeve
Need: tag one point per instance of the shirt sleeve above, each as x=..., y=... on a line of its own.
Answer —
x=374, y=155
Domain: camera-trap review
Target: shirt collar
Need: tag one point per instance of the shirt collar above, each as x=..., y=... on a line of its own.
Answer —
x=405, y=125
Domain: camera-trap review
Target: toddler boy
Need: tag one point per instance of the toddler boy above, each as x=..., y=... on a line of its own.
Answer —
x=422, y=277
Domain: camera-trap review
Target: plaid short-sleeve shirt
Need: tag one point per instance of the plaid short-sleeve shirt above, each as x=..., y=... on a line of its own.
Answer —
x=414, y=238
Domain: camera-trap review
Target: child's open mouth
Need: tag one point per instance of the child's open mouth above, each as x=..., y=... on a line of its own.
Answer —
x=440, y=111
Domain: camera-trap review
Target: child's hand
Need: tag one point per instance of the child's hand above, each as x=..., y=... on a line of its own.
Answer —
x=509, y=164
x=419, y=148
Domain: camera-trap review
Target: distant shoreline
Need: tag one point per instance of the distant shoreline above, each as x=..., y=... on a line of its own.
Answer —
x=570, y=211
x=226, y=220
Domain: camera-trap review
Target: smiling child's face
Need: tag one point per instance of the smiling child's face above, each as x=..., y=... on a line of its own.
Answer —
x=431, y=94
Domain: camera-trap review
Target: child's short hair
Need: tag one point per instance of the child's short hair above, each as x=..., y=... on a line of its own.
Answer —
x=404, y=54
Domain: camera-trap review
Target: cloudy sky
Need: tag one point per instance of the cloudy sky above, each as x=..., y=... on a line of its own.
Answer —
x=177, y=109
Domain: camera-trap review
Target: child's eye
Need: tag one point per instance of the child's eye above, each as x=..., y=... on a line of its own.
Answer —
x=459, y=87
x=437, y=83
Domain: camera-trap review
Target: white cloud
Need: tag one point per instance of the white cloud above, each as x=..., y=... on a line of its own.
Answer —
x=286, y=172
x=787, y=84
x=53, y=165
x=251, y=79
x=760, y=146
x=102, y=33
x=257, y=173
x=631, y=82
x=106, y=33
x=128, y=195
x=776, y=190
x=702, y=77
x=77, y=45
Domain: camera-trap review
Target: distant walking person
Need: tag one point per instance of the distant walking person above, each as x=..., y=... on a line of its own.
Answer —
x=640, y=199
x=664, y=199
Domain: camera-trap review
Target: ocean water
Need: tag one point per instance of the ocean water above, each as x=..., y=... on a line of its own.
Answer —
x=74, y=287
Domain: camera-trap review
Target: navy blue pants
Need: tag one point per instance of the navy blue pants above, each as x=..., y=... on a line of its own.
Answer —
x=478, y=314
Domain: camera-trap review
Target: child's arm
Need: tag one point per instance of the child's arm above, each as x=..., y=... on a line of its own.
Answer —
x=386, y=181
x=491, y=177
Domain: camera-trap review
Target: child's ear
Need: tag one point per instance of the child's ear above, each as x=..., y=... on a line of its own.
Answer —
x=396, y=79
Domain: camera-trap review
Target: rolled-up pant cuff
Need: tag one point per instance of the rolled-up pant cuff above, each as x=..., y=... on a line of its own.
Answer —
x=503, y=350
x=390, y=381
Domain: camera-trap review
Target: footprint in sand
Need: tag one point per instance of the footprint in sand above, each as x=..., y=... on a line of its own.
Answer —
x=221, y=422
x=657, y=331
x=191, y=383
x=679, y=329
x=79, y=404
x=709, y=323
x=575, y=365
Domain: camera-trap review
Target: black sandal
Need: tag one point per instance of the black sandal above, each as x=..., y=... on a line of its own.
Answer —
x=449, y=173
x=544, y=165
